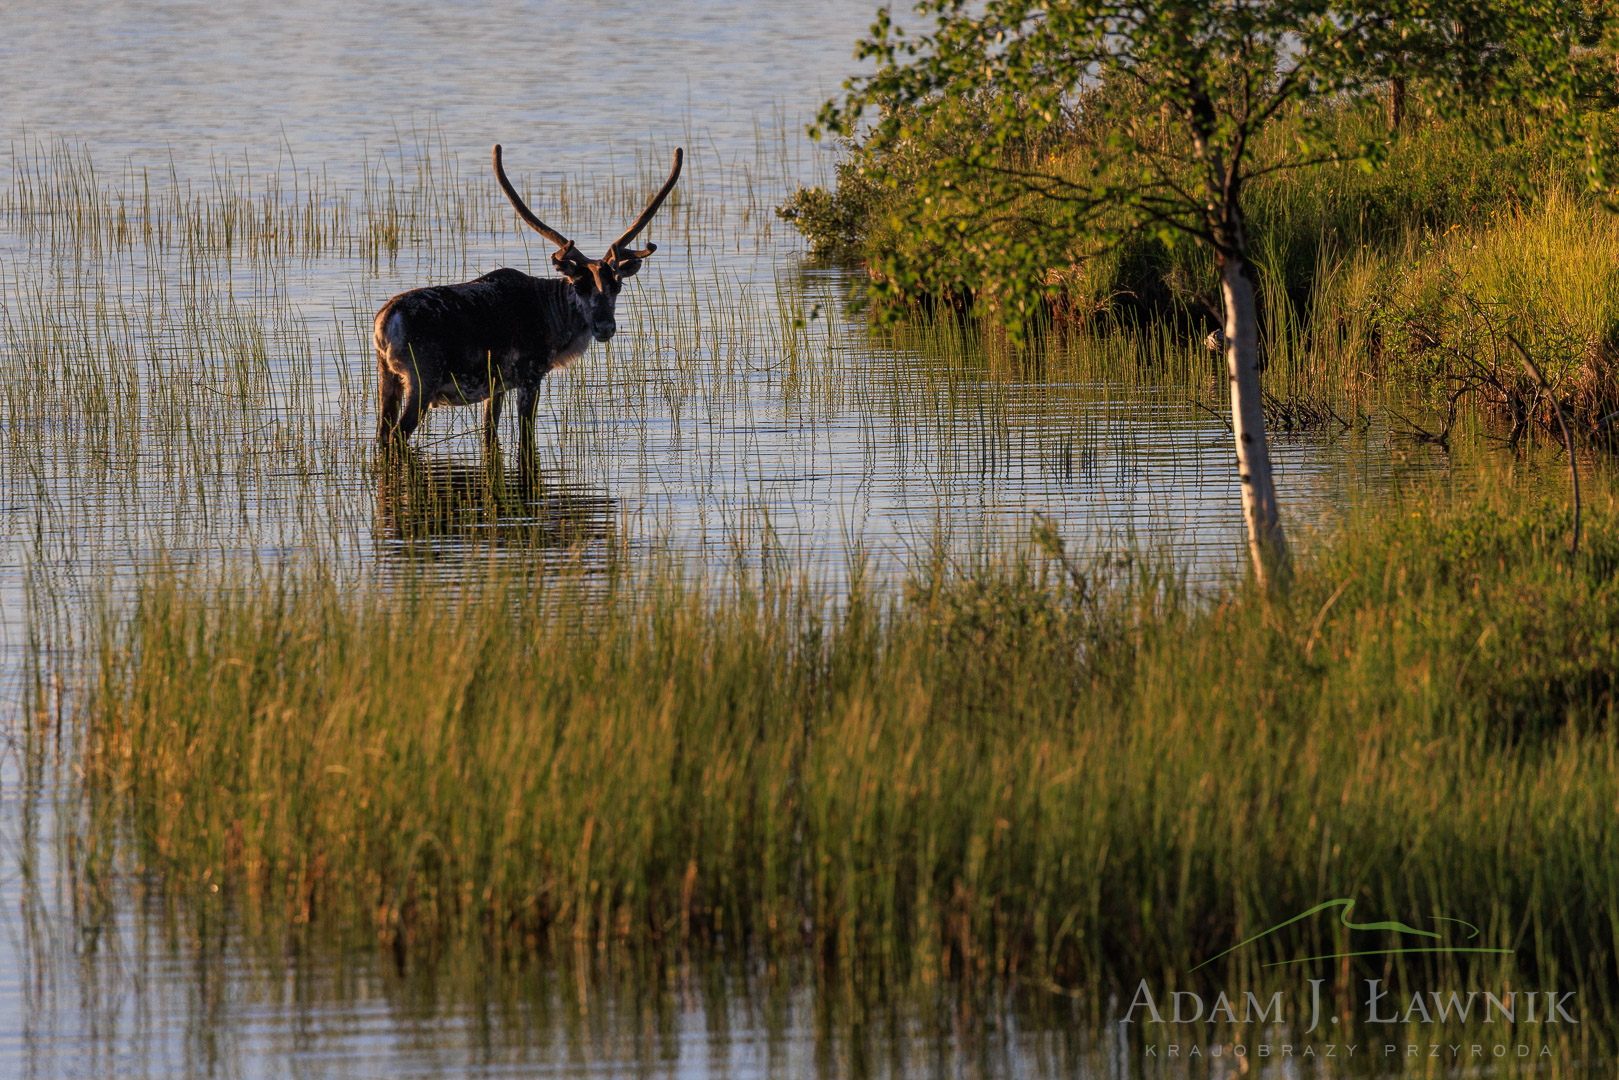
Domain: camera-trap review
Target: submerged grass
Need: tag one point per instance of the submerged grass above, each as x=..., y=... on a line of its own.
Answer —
x=1022, y=767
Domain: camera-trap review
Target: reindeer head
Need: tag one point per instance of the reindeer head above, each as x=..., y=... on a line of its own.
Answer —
x=595, y=281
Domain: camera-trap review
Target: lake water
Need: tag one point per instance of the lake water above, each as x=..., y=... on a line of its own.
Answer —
x=204, y=207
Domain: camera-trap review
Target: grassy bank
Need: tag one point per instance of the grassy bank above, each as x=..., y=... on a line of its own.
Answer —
x=1437, y=175
x=1008, y=768
x=1413, y=273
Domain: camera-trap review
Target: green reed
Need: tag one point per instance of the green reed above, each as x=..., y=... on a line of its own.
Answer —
x=1072, y=771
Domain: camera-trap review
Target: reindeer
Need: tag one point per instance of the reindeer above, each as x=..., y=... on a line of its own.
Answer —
x=476, y=341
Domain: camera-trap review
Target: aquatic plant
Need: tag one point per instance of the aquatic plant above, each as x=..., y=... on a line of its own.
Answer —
x=1041, y=765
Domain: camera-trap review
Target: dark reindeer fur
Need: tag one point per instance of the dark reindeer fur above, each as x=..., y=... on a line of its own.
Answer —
x=479, y=340
x=462, y=344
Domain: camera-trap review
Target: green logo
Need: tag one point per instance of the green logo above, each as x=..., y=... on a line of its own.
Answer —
x=1343, y=917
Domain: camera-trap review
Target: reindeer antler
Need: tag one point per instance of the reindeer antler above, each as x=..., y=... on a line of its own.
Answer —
x=524, y=212
x=646, y=215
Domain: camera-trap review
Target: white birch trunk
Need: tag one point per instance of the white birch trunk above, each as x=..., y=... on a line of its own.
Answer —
x=1266, y=545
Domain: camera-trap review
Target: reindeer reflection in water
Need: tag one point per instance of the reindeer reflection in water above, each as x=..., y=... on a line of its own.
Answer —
x=444, y=507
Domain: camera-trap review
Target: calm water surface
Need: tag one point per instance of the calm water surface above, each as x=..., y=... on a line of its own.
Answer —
x=207, y=396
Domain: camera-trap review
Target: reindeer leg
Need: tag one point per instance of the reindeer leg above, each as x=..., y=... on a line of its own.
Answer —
x=411, y=411
x=491, y=417
x=389, y=391
x=528, y=401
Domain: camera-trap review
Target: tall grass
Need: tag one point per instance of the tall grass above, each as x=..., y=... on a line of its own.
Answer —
x=1447, y=303
x=1013, y=768
x=1418, y=316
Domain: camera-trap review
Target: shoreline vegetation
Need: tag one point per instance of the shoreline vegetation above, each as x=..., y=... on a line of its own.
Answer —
x=1022, y=767
x=1413, y=274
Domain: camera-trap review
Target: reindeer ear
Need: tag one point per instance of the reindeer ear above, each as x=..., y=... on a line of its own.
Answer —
x=569, y=265
x=626, y=262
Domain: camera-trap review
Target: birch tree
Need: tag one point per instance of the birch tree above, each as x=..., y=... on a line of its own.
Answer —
x=1173, y=96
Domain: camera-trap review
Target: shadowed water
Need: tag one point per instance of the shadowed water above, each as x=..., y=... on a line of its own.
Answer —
x=203, y=208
